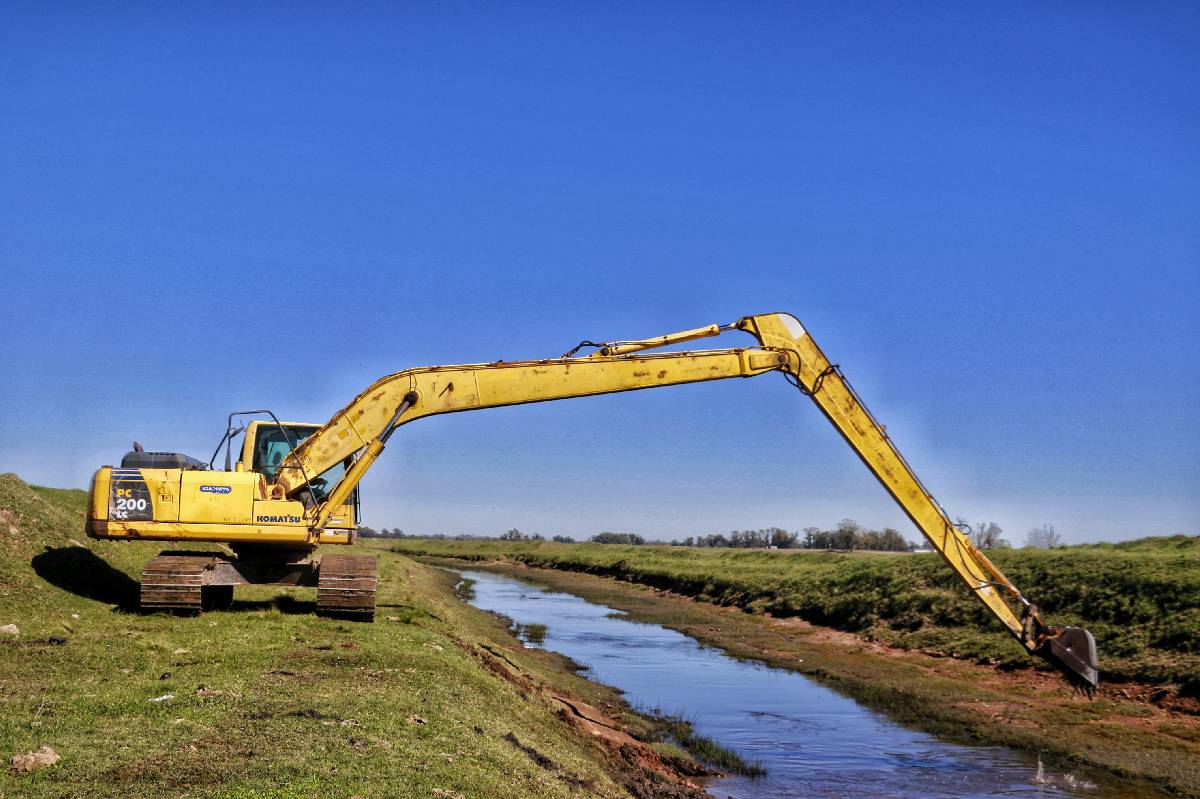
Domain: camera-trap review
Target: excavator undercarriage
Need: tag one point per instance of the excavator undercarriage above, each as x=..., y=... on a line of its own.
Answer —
x=190, y=582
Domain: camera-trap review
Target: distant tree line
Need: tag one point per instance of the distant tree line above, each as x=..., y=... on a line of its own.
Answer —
x=847, y=535
x=618, y=538
x=516, y=535
x=371, y=532
x=748, y=539
x=989, y=535
x=1043, y=537
x=600, y=538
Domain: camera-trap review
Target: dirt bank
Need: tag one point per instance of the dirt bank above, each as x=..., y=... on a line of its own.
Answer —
x=1127, y=729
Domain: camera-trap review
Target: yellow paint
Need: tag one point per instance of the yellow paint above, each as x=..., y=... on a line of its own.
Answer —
x=200, y=499
x=866, y=436
x=280, y=511
x=359, y=432
x=290, y=535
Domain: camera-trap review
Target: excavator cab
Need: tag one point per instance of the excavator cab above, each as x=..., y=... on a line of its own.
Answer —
x=267, y=446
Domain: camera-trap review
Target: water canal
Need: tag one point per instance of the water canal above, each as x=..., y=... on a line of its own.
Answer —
x=812, y=741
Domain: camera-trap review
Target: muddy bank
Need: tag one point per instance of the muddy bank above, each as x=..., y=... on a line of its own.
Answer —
x=624, y=740
x=1139, y=598
x=1121, y=730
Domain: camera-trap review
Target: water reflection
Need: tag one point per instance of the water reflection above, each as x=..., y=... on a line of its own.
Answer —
x=813, y=742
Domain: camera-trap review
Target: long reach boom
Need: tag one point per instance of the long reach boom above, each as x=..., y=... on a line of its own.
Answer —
x=361, y=429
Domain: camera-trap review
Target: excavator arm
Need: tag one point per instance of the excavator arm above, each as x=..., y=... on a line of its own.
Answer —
x=362, y=429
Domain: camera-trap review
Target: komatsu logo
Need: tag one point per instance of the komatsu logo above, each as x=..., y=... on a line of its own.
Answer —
x=278, y=519
x=215, y=489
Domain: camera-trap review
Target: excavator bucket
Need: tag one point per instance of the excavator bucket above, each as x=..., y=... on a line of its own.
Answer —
x=1072, y=650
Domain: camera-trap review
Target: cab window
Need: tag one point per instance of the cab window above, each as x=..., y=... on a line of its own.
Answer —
x=272, y=445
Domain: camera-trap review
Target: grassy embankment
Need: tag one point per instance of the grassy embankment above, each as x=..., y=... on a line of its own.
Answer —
x=1139, y=598
x=268, y=701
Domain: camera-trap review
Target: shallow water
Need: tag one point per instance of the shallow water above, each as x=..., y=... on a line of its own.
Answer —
x=813, y=742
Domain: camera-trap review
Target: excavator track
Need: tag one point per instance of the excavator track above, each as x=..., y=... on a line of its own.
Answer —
x=175, y=582
x=346, y=586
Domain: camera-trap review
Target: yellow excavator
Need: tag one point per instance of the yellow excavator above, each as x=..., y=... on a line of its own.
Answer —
x=295, y=486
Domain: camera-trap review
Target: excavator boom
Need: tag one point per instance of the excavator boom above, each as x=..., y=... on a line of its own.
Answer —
x=294, y=487
x=361, y=429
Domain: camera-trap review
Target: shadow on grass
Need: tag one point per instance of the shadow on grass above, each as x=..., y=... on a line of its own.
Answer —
x=283, y=603
x=80, y=571
x=83, y=573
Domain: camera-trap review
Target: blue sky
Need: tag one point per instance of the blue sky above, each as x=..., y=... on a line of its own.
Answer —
x=986, y=215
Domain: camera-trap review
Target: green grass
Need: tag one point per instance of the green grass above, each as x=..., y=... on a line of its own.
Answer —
x=533, y=633
x=268, y=700
x=271, y=701
x=680, y=731
x=1123, y=730
x=1141, y=599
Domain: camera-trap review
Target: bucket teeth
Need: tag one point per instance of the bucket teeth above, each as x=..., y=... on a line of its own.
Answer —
x=1072, y=650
